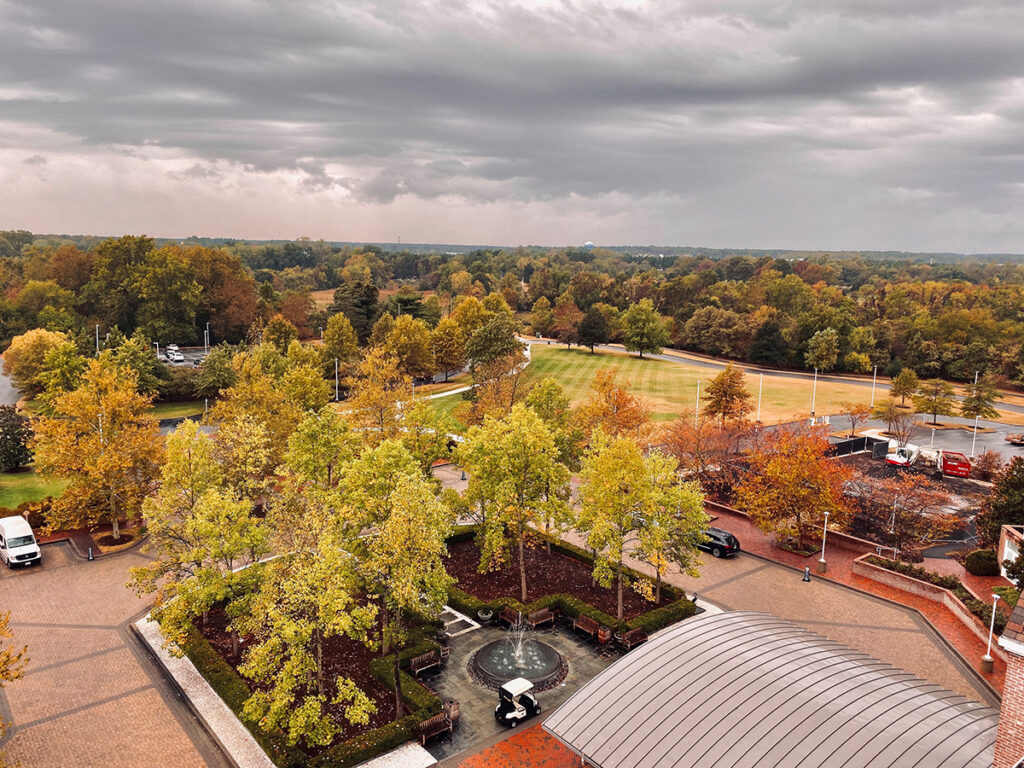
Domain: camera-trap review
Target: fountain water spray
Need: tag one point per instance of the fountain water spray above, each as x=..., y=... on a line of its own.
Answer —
x=517, y=639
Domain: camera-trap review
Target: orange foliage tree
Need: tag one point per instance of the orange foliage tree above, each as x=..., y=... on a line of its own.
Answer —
x=905, y=511
x=707, y=451
x=792, y=482
x=612, y=408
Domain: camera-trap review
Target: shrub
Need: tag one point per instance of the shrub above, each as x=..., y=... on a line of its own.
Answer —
x=982, y=562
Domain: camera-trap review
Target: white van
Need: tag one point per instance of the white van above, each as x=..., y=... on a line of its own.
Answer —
x=17, y=544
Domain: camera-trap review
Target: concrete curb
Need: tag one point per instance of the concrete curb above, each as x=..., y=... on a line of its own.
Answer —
x=233, y=738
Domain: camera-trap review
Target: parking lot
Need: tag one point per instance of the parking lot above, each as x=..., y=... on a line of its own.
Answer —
x=90, y=695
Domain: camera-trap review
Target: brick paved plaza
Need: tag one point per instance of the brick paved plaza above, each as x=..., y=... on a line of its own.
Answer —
x=90, y=695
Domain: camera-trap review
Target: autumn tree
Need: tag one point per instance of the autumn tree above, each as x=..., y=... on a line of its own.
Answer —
x=907, y=511
x=216, y=372
x=541, y=317
x=382, y=330
x=13, y=661
x=62, y=372
x=279, y=333
x=25, y=357
x=643, y=328
x=514, y=470
x=594, y=328
x=549, y=401
x=340, y=341
x=726, y=396
x=567, y=317
x=631, y=501
x=857, y=413
x=791, y=482
x=401, y=557
x=823, y=350
x=899, y=422
x=494, y=340
x=470, y=313
x=1005, y=505
x=905, y=384
x=377, y=392
x=449, y=346
x=497, y=387
x=15, y=434
x=936, y=397
x=102, y=439
x=612, y=408
x=409, y=344
x=979, y=399
x=168, y=295
x=707, y=451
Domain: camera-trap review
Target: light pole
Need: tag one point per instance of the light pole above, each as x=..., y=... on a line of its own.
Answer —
x=321, y=333
x=975, y=437
x=206, y=342
x=814, y=392
x=696, y=410
x=97, y=340
x=822, y=565
x=760, y=386
x=874, y=377
x=987, y=662
x=336, y=380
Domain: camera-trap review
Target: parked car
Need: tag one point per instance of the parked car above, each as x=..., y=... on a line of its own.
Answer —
x=172, y=347
x=17, y=543
x=720, y=543
x=174, y=356
x=516, y=702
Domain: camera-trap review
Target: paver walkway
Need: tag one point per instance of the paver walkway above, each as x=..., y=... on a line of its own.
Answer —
x=90, y=696
x=840, y=569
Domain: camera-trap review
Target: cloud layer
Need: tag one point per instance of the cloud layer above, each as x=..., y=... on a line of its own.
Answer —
x=744, y=123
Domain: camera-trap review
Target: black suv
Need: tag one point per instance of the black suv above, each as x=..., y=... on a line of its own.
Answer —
x=720, y=543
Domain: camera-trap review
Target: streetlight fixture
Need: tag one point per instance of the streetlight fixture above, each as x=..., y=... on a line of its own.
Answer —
x=987, y=662
x=874, y=377
x=822, y=565
x=760, y=386
x=975, y=437
x=814, y=392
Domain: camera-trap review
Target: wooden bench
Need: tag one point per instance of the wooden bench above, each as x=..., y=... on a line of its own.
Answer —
x=433, y=726
x=633, y=638
x=424, y=661
x=543, y=616
x=586, y=624
x=509, y=616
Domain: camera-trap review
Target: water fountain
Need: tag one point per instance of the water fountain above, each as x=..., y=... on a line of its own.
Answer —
x=518, y=655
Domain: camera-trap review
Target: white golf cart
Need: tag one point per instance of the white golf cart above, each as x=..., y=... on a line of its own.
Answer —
x=516, y=702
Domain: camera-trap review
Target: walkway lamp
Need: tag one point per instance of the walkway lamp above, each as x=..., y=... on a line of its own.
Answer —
x=987, y=662
x=822, y=565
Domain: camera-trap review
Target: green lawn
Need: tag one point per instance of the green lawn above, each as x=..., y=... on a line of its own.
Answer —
x=177, y=410
x=670, y=389
x=16, y=487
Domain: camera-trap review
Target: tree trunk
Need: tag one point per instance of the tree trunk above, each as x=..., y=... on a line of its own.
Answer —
x=522, y=569
x=234, y=644
x=446, y=374
x=593, y=578
x=319, y=661
x=641, y=354
x=384, y=640
x=116, y=529
x=398, y=687
x=657, y=588
x=620, y=592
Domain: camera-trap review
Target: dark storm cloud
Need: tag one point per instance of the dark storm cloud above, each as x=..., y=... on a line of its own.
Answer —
x=494, y=102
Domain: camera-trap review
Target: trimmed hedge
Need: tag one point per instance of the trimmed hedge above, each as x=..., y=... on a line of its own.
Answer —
x=982, y=562
x=979, y=608
x=422, y=704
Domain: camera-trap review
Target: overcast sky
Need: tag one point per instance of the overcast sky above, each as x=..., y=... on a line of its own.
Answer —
x=824, y=124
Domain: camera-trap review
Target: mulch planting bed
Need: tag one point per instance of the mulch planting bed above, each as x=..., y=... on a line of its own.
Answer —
x=343, y=657
x=545, y=575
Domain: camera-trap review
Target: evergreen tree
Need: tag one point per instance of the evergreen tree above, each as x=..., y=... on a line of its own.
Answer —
x=594, y=328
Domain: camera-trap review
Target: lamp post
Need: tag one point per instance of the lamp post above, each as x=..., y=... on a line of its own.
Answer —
x=336, y=397
x=814, y=392
x=760, y=386
x=696, y=410
x=975, y=437
x=822, y=565
x=97, y=340
x=874, y=377
x=987, y=662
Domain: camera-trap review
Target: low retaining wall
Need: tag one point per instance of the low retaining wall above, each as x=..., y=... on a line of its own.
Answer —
x=928, y=591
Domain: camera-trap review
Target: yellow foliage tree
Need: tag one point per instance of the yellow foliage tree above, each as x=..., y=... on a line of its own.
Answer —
x=101, y=438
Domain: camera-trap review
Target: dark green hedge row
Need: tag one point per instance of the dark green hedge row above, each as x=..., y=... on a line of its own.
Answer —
x=422, y=704
x=979, y=608
x=233, y=690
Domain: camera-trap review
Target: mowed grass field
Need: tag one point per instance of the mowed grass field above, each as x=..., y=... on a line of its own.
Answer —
x=670, y=388
x=26, y=485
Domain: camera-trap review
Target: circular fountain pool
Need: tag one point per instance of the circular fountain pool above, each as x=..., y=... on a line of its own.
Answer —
x=496, y=663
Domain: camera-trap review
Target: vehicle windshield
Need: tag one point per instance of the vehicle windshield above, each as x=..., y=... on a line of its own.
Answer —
x=20, y=541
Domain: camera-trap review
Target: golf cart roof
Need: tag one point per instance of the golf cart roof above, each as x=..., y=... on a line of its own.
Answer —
x=517, y=686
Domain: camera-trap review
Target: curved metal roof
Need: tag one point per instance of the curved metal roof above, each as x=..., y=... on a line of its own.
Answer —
x=750, y=690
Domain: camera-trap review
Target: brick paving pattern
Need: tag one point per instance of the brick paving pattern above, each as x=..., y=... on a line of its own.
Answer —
x=90, y=696
x=531, y=748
